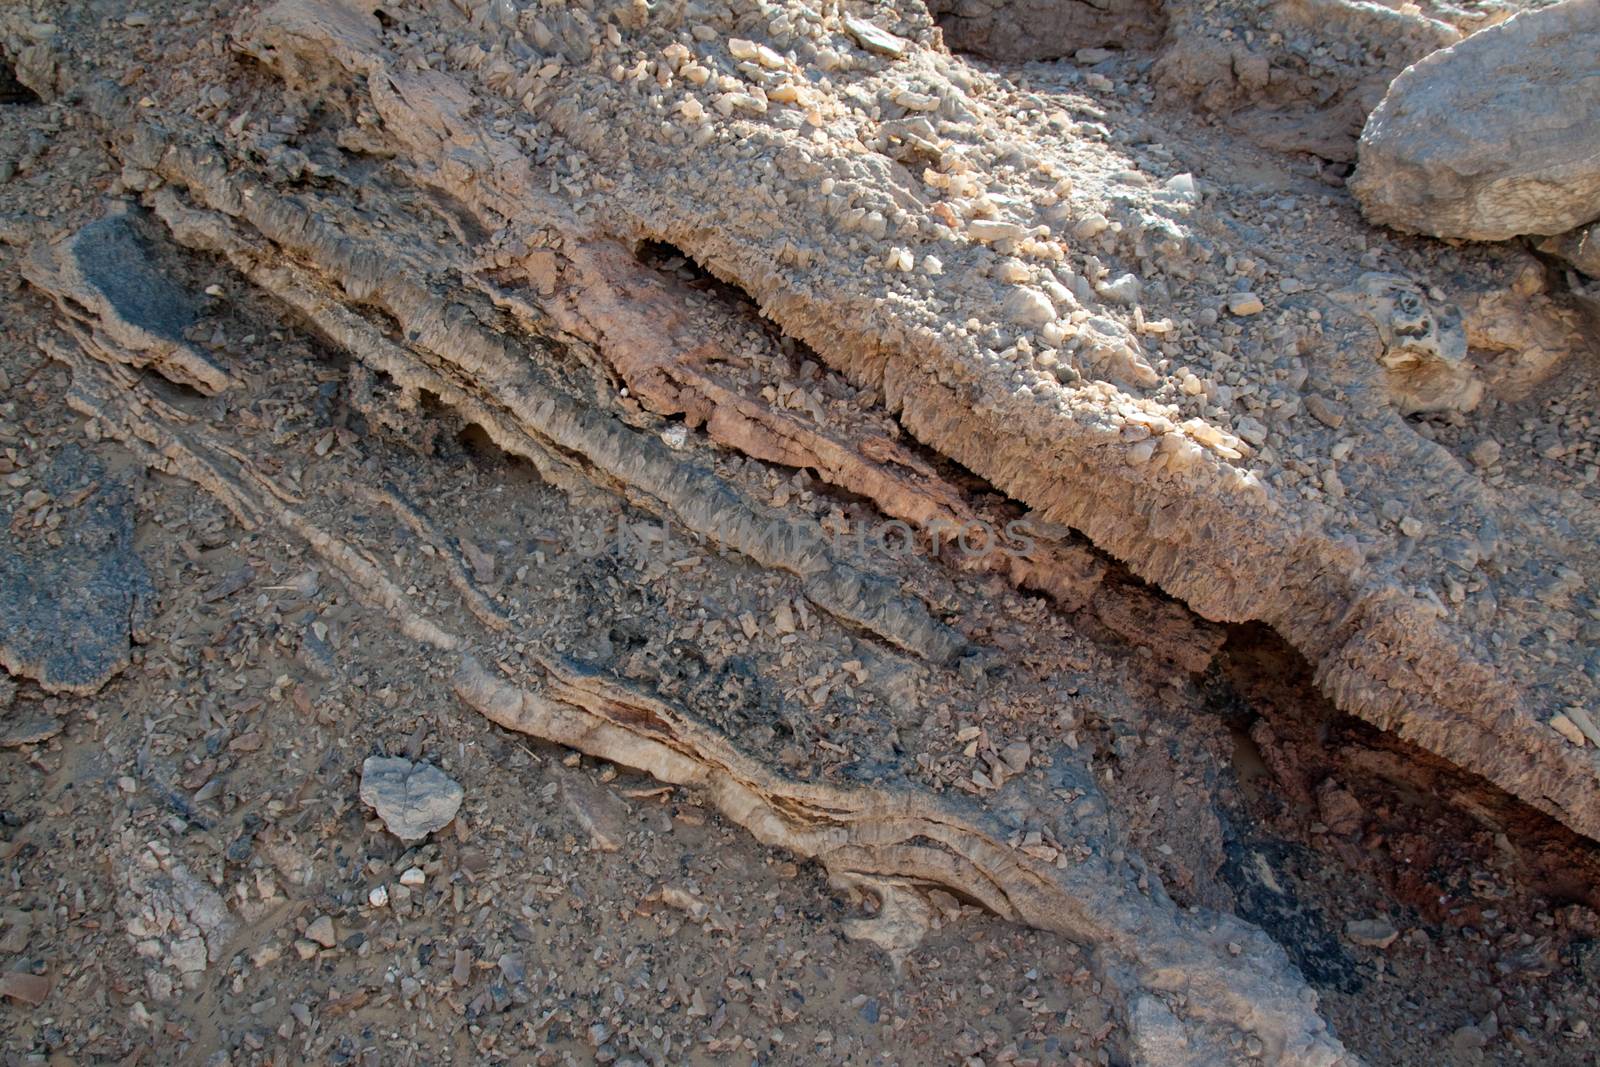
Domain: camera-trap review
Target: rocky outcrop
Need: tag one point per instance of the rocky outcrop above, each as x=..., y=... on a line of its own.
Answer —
x=1197, y=987
x=1494, y=137
x=1029, y=304
x=503, y=220
x=1300, y=76
x=412, y=799
x=1023, y=30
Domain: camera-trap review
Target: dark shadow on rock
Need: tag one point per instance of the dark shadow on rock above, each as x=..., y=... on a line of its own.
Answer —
x=71, y=604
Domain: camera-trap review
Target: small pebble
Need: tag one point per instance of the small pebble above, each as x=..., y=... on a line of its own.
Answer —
x=1245, y=304
x=322, y=932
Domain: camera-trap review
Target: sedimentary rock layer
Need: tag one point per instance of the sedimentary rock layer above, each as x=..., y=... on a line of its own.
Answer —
x=847, y=175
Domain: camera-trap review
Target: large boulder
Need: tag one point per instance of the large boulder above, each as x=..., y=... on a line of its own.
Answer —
x=1493, y=137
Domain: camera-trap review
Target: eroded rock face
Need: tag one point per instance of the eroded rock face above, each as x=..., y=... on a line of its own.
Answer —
x=945, y=246
x=1021, y=30
x=1493, y=137
x=1580, y=248
x=986, y=276
x=1188, y=483
x=1424, y=348
x=1300, y=76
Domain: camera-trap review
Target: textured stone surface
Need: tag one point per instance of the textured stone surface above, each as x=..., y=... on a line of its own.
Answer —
x=1032, y=281
x=74, y=596
x=412, y=799
x=1580, y=248
x=1295, y=76
x=1185, y=442
x=1493, y=137
x=1046, y=29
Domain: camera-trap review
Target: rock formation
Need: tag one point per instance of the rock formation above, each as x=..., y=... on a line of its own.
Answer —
x=1493, y=137
x=1020, y=30
x=899, y=247
x=474, y=205
x=1299, y=76
x=74, y=595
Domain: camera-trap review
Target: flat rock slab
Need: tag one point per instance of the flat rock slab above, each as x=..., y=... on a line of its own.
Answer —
x=1493, y=137
x=18, y=731
x=112, y=275
x=599, y=811
x=72, y=599
x=112, y=258
x=412, y=799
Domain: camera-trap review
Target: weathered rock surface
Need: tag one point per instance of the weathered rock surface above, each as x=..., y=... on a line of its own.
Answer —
x=132, y=306
x=464, y=205
x=1021, y=30
x=1580, y=248
x=1493, y=137
x=177, y=922
x=73, y=592
x=1069, y=416
x=412, y=799
x=1201, y=981
x=1296, y=76
x=1299, y=76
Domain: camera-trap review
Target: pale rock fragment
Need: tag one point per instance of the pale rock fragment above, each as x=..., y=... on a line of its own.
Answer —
x=1486, y=453
x=1013, y=272
x=1016, y=756
x=1028, y=307
x=1585, y=724
x=1181, y=452
x=913, y=101
x=874, y=38
x=1567, y=729
x=752, y=52
x=1325, y=411
x=1123, y=289
x=686, y=902
x=412, y=799
x=728, y=103
x=1371, y=933
x=1244, y=304
x=990, y=231
x=322, y=932
x=1219, y=441
x=597, y=810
